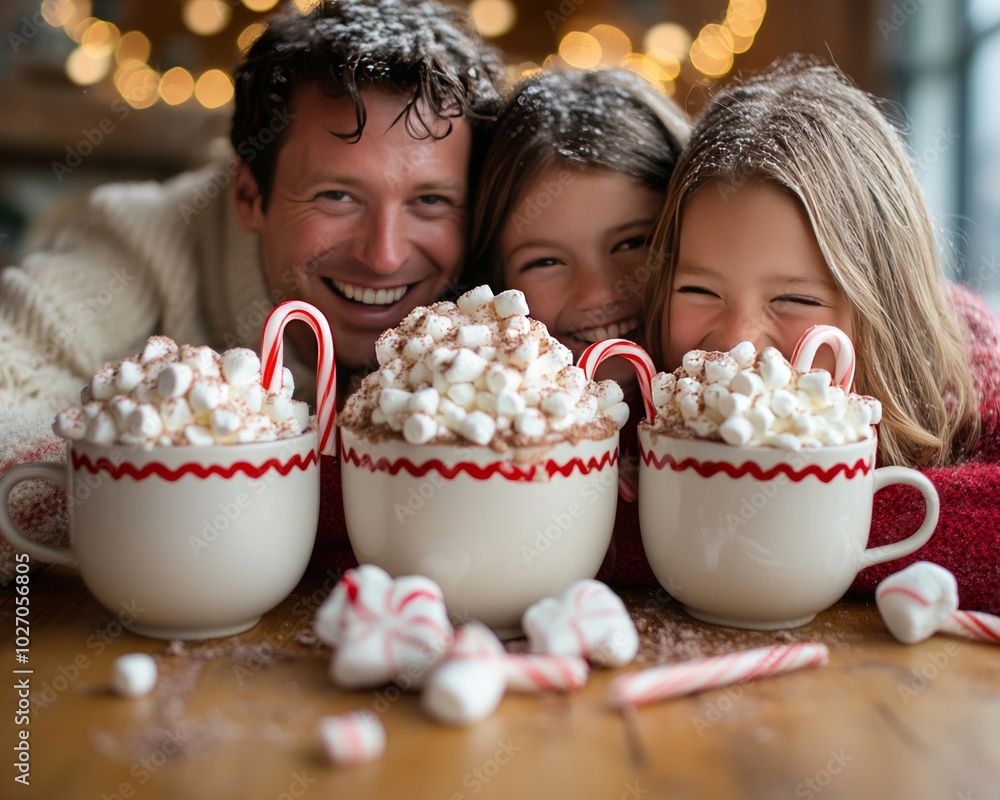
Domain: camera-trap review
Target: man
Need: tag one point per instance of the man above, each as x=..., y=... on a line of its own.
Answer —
x=356, y=130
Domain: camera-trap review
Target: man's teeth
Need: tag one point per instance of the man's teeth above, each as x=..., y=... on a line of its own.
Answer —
x=616, y=330
x=369, y=296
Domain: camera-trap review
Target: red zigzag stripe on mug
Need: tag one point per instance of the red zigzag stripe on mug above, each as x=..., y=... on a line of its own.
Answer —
x=479, y=472
x=709, y=468
x=118, y=471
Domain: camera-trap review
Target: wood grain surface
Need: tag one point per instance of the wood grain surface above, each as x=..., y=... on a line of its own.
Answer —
x=236, y=717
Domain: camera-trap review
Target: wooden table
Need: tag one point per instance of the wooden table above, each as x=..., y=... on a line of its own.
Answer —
x=236, y=717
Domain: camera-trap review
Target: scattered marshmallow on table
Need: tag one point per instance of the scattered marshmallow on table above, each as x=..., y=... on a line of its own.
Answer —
x=922, y=600
x=470, y=682
x=352, y=738
x=133, y=675
x=383, y=629
x=587, y=620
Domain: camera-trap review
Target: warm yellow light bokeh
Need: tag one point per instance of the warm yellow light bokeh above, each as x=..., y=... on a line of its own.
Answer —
x=493, y=17
x=579, y=49
x=176, y=86
x=668, y=42
x=710, y=64
x=133, y=46
x=614, y=42
x=260, y=5
x=249, y=35
x=206, y=17
x=138, y=83
x=100, y=38
x=59, y=12
x=85, y=69
x=650, y=69
x=213, y=89
x=305, y=6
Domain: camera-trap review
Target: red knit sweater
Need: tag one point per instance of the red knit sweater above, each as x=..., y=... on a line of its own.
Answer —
x=967, y=539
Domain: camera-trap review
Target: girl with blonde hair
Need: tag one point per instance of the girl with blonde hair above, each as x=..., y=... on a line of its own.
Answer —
x=794, y=204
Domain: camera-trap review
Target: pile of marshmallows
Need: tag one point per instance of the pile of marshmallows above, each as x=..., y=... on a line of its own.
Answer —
x=183, y=395
x=741, y=399
x=479, y=370
x=386, y=630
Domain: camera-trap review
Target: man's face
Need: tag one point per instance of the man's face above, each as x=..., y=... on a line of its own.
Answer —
x=365, y=230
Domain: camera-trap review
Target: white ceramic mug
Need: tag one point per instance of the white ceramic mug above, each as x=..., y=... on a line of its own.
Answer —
x=757, y=537
x=497, y=532
x=197, y=541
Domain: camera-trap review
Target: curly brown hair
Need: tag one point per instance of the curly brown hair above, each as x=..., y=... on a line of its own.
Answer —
x=420, y=49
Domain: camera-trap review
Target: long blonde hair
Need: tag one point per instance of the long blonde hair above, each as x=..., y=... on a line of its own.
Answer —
x=806, y=128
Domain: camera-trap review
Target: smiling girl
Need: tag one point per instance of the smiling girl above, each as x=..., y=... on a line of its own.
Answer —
x=795, y=205
x=570, y=191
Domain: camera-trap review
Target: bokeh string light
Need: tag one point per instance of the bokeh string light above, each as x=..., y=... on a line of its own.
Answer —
x=668, y=49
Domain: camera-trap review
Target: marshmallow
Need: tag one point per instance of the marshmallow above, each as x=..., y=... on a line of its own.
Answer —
x=483, y=364
x=133, y=675
x=419, y=428
x=356, y=737
x=743, y=402
x=743, y=354
x=915, y=602
x=720, y=368
x=587, y=620
x=478, y=427
x=102, y=384
x=128, y=376
x=71, y=423
x=174, y=380
x=464, y=691
x=169, y=395
x=474, y=299
x=240, y=366
x=470, y=681
x=158, y=347
x=203, y=360
x=510, y=303
x=418, y=347
x=383, y=629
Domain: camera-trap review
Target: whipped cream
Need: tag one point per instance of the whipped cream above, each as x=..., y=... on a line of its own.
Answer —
x=742, y=399
x=480, y=370
x=183, y=395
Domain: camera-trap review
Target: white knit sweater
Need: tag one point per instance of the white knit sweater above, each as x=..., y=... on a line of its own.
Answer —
x=141, y=258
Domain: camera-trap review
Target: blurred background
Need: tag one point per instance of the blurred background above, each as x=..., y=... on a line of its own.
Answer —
x=99, y=90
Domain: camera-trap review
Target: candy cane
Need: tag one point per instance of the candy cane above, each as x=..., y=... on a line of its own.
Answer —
x=677, y=680
x=272, y=354
x=536, y=672
x=922, y=600
x=843, y=349
x=973, y=625
x=594, y=355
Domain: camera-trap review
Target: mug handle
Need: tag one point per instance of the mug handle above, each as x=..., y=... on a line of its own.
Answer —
x=887, y=476
x=46, y=471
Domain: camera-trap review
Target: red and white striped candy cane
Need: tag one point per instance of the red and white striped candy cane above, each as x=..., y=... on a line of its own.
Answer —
x=843, y=350
x=541, y=672
x=598, y=352
x=973, y=625
x=272, y=356
x=677, y=680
